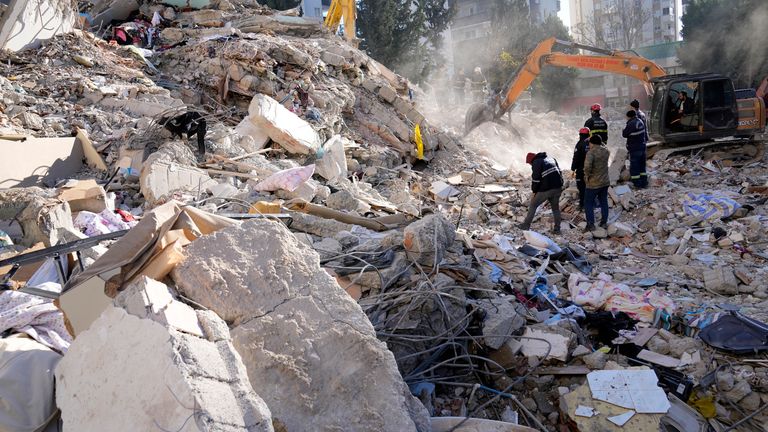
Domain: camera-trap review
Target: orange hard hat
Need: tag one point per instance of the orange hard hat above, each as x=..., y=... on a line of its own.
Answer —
x=596, y=107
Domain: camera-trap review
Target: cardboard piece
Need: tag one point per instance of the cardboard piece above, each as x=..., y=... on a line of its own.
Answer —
x=33, y=160
x=84, y=297
x=92, y=157
x=162, y=264
x=85, y=195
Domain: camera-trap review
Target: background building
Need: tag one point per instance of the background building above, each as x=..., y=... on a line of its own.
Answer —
x=471, y=29
x=315, y=9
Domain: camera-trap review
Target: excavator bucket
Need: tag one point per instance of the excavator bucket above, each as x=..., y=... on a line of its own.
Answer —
x=477, y=114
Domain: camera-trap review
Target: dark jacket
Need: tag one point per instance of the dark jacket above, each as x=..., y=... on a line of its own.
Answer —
x=644, y=119
x=579, y=153
x=598, y=126
x=546, y=173
x=634, y=132
x=596, y=167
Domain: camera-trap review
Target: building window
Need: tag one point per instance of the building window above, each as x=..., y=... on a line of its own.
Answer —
x=665, y=11
x=318, y=12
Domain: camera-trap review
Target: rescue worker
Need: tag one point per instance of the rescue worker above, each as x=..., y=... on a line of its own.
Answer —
x=634, y=132
x=459, y=81
x=596, y=124
x=478, y=85
x=635, y=105
x=577, y=164
x=546, y=184
x=597, y=180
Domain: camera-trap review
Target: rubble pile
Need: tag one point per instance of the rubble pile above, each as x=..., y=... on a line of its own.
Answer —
x=244, y=223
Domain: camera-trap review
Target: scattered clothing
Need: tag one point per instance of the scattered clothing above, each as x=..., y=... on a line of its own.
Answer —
x=35, y=316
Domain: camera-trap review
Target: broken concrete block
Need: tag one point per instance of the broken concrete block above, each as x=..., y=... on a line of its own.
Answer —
x=721, y=280
x=333, y=164
x=149, y=299
x=427, y=239
x=160, y=178
x=283, y=126
x=129, y=373
x=501, y=320
x=387, y=93
x=222, y=190
x=308, y=347
x=38, y=212
x=617, y=165
x=619, y=229
x=333, y=59
x=560, y=339
x=256, y=136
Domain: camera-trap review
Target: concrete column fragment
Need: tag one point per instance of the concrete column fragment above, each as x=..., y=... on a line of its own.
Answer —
x=150, y=362
x=307, y=345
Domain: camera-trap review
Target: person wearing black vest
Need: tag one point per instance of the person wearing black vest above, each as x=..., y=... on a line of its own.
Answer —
x=577, y=164
x=596, y=124
x=547, y=185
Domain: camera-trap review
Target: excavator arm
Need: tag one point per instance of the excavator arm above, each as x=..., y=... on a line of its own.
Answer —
x=342, y=9
x=617, y=62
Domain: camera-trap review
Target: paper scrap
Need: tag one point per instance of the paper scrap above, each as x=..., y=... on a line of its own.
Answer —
x=632, y=389
x=585, y=411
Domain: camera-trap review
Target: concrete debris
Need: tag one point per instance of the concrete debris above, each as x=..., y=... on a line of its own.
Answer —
x=282, y=309
x=308, y=209
x=147, y=360
x=283, y=126
x=427, y=239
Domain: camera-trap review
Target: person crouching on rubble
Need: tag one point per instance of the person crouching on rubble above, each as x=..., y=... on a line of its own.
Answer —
x=577, y=164
x=597, y=181
x=546, y=184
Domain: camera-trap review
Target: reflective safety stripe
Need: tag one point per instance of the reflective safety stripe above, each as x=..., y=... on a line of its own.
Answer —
x=641, y=131
x=643, y=175
x=635, y=177
x=549, y=171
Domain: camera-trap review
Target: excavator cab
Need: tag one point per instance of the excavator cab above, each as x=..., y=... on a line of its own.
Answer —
x=698, y=107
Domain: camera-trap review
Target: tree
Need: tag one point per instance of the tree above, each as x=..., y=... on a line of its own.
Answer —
x=513, y=37
x=618, y=25
x=280, y=4
x=726, y=37
x=404, y=35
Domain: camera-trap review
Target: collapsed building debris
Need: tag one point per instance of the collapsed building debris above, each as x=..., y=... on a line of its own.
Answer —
x=301, y=270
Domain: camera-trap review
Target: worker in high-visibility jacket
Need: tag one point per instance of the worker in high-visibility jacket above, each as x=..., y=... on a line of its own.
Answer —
x=596, y=124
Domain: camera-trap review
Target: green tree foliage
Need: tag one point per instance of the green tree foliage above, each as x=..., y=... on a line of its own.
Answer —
x=280, y=4
x=513, y=37
x=404, y=35
x=728, y=37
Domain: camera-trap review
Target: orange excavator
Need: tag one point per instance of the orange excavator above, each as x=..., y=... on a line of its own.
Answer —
x=715, y=114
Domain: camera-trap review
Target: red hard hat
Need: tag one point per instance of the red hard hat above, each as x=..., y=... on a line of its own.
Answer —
x=584, y=130
x=529, y=157
x=596, y=107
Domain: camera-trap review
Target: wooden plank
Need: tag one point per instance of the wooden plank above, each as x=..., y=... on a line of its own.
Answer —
x=565, y=370
x=644, y=335
x=659, y=359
